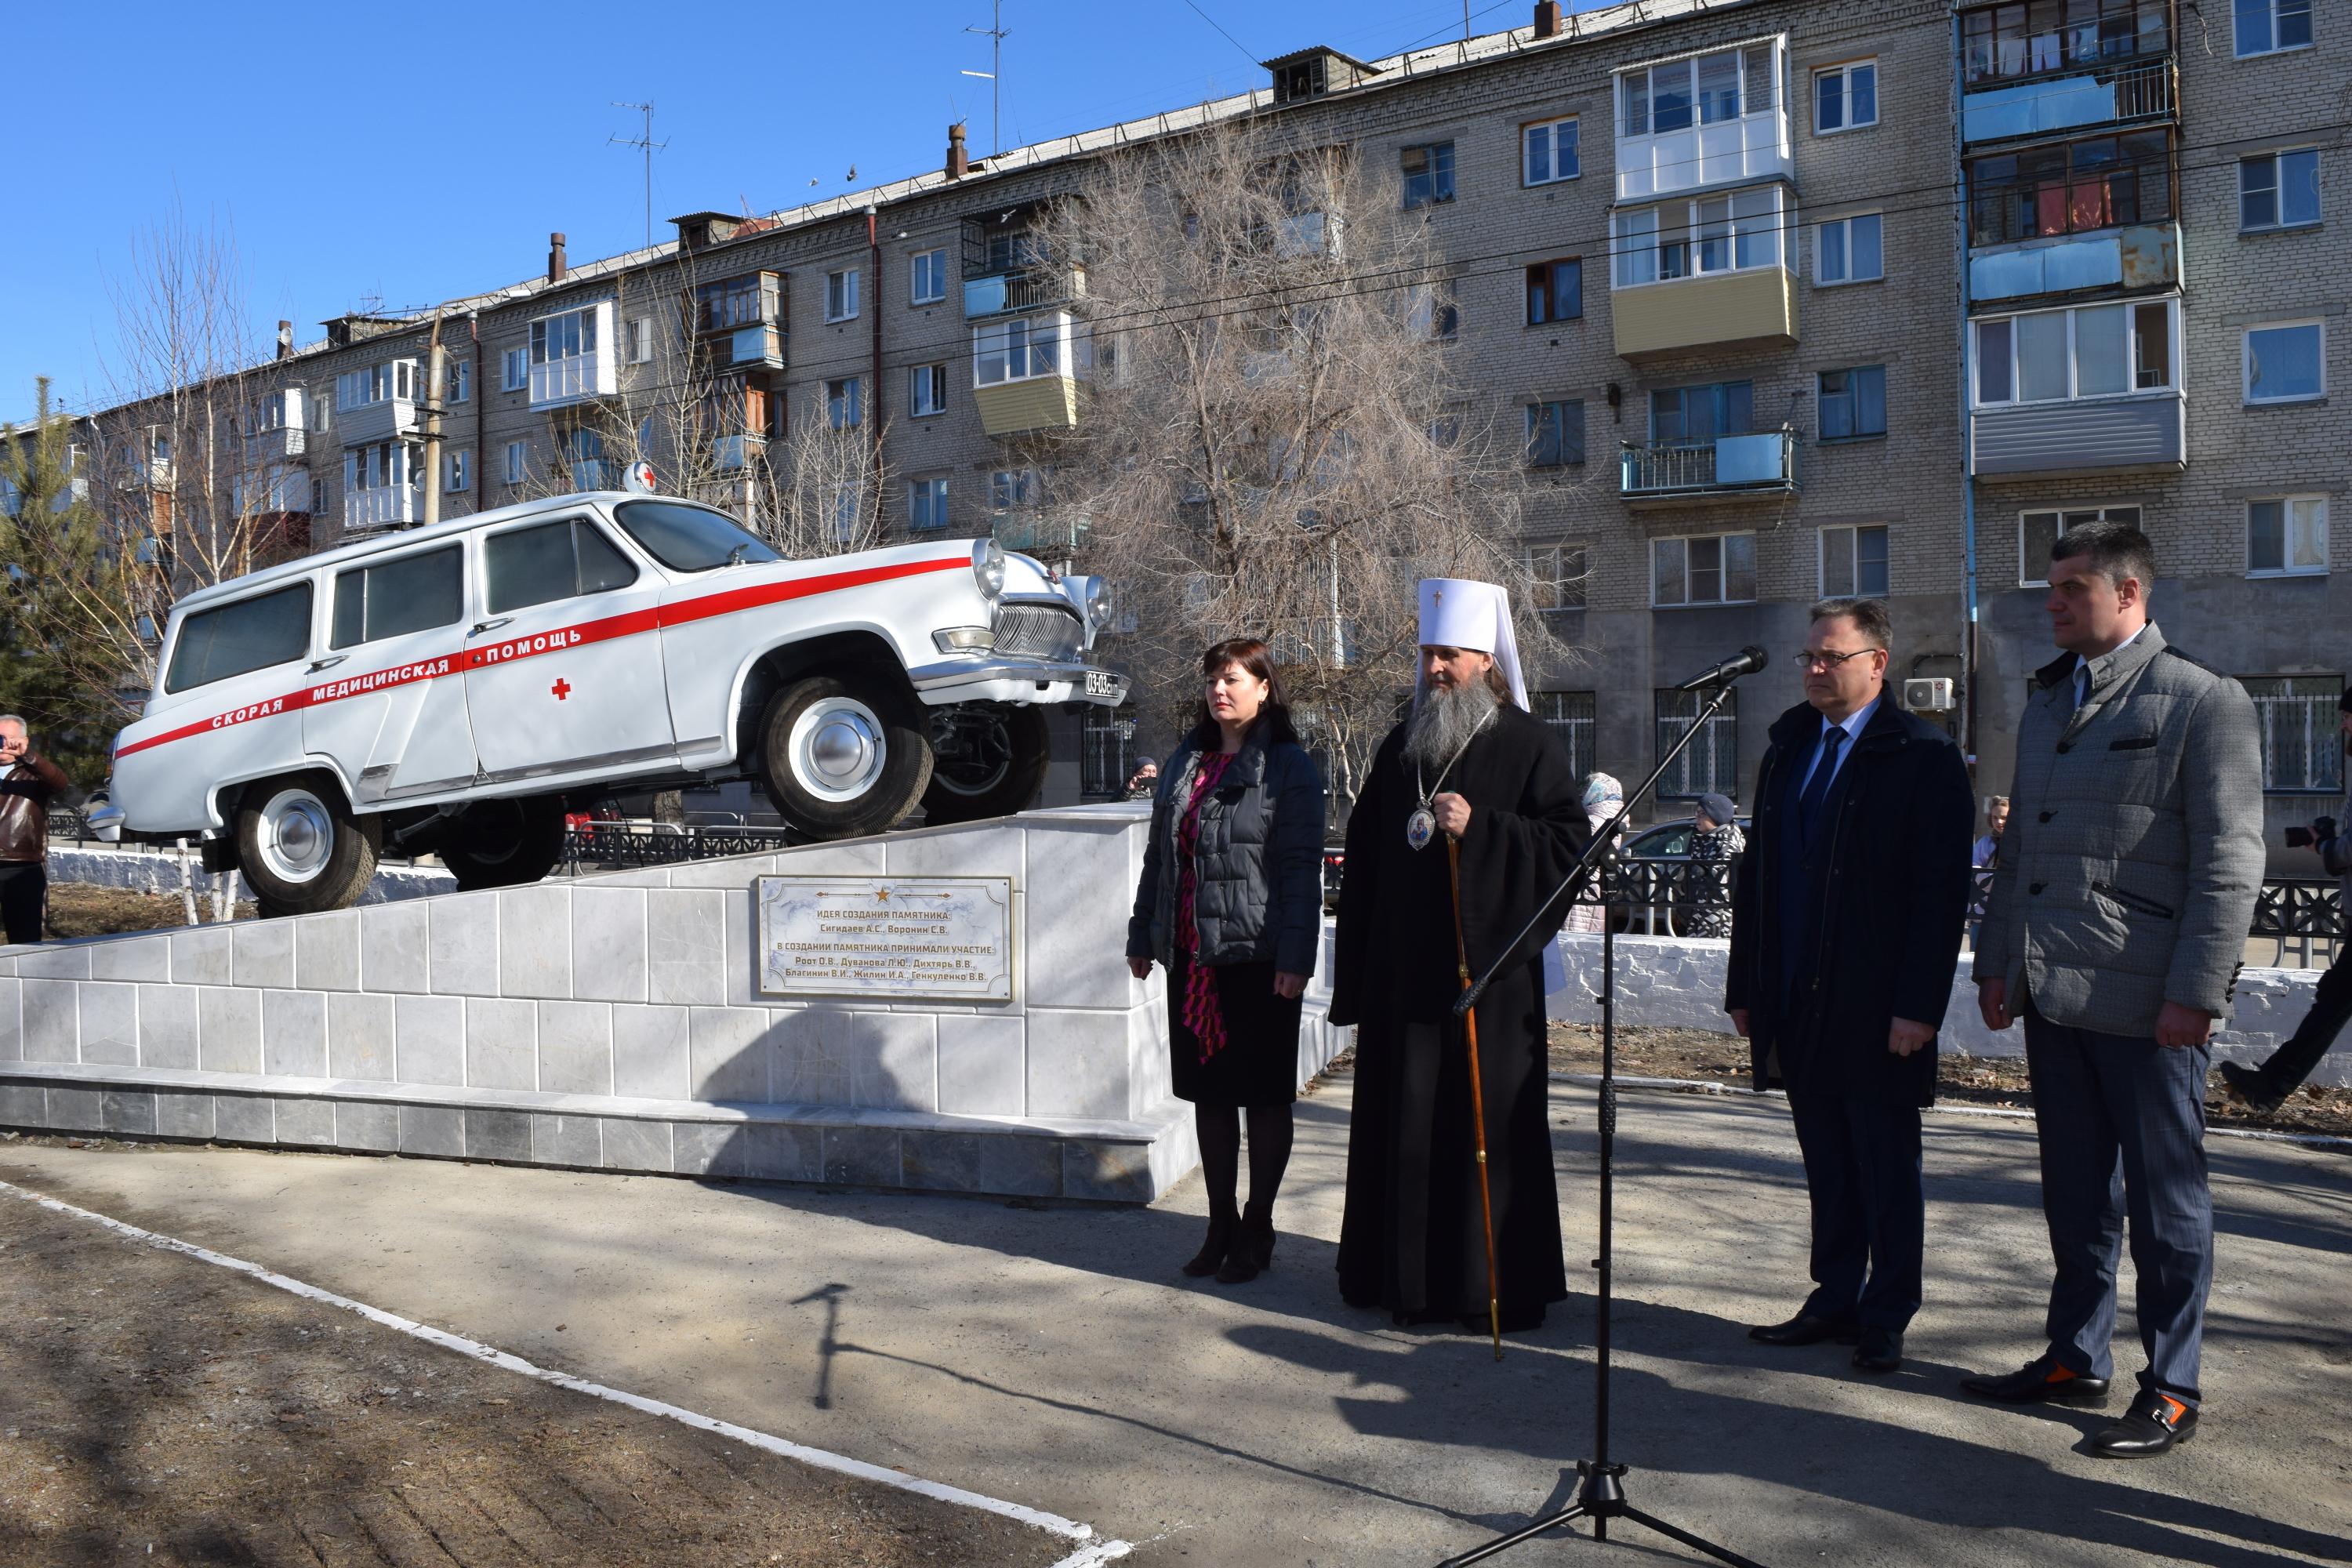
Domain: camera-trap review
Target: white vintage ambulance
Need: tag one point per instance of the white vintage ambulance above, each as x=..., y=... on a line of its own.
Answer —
x=442, y=691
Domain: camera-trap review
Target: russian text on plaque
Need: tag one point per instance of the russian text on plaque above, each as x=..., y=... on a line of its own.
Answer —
x=944, y=939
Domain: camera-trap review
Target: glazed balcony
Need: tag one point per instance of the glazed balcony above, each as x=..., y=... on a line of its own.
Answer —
x=1727, y=466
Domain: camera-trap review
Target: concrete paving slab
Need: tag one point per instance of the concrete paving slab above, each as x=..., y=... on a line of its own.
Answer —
x=1056, y=1357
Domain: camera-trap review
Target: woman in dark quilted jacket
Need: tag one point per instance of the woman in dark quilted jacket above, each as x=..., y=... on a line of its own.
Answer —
x=1231, y=901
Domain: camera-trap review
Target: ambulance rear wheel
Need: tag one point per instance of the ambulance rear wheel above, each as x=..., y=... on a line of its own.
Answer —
x=991, y=761
x=505, y=843
x=842, y=755
x=301, y=848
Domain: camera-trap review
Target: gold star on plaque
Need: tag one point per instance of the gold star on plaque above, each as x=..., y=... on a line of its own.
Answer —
x=883, y=894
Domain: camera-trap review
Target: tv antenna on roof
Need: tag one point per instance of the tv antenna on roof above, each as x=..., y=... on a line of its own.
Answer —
x=995, y=35
x=646, y=143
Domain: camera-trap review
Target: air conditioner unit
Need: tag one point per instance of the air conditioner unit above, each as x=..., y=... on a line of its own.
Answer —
x=1928, y=695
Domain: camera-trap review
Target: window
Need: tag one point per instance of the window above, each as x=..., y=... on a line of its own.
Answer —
x=1718, y=569
x=517, y=467
x=551, y=560
x=2285, y=363
x=2038, y=531
x=322, y=411
x=1854, y=561
x=1711, y=89
x=1568, y=715
x=1014, y=490
x=2006, y=41
x=1710, y=234
x=1547, y=153
x=238, y=639
x=927, y=389
x=457, y=472
x=2265, y=26
x=1693, y=415
x=927, y=277
x=1845, y=98
x=1555, y=292
x=1853, y=403
x=395, y=379
x=517, y=369
x=570, y=335
x=386, y=465
x=639, y=341
x=2092, y=351
x=750, y=300
x=2071, y=187
x=1428, y=173
x=841, y=295
x=1710, y=763
x=1555, y=434
x=2279, y=190
x=1848, y=251
x=2286, y=537
x=393, y=598
x=1430, y=311
x=1018, y=350
x=459, y=374
x=841, y=404
x=1559, y=573
x=2296, y=716
x=688, y=538
x=927, y=503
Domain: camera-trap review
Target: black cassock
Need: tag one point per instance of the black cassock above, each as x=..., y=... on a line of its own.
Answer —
x=1413, y=1239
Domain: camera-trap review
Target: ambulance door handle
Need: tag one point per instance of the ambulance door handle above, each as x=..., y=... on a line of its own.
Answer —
x=482, y=626
x=329, y=662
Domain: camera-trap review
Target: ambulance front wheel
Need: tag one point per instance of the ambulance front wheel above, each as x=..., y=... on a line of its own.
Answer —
x=843, y=754
x=301, y=849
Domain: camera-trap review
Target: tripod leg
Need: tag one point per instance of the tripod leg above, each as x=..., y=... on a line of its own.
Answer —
x=1566, y=1515
x=1687, y=1538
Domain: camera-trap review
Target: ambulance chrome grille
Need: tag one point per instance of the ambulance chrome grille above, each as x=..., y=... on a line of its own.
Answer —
x=1039, y=631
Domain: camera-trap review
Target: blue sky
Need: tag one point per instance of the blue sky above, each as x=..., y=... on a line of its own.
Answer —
x=358, y=165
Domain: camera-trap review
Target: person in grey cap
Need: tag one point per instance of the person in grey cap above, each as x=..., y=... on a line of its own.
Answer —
x=1716, y=843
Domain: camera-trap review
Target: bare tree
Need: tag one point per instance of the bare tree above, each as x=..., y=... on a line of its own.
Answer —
x=1276, y=443
x=823, y=485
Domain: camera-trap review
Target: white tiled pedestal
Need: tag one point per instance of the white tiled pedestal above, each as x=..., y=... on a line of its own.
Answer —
x=614, y=1022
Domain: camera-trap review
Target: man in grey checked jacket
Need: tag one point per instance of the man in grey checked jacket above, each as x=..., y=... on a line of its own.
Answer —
x=2116, y=927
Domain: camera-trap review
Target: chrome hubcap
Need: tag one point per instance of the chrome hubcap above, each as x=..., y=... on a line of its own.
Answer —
x=298, y=835
x=837, y=749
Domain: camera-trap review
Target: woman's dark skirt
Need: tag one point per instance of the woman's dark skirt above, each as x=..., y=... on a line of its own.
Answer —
x=1258, y=1063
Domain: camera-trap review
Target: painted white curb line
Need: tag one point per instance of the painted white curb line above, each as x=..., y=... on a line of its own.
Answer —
x=1095, y=1552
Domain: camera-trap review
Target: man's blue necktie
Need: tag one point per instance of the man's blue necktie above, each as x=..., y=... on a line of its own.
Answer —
x=1817, y=788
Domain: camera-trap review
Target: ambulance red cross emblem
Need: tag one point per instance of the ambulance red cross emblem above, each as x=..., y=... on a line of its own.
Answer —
x=562, y=688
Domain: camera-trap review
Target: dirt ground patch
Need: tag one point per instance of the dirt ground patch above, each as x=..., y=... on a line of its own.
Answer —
x=158, y=1409
x=80, y=909
x=1702, y=1054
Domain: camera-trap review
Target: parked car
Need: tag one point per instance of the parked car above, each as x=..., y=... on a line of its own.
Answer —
x=1653, y=851
x=448, y=689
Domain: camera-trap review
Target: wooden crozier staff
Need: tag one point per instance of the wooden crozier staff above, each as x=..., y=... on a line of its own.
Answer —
x=1478, y=1097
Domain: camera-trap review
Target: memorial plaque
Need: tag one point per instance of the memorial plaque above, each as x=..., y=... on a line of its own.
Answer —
x=898, y=938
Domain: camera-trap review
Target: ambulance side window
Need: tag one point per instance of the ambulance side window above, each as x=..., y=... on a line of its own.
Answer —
x=393, y=598
x=235, y=638
x=551, y=560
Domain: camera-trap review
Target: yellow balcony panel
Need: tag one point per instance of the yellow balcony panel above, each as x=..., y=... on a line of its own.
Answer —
x=1040, y=403
x=1758, y=305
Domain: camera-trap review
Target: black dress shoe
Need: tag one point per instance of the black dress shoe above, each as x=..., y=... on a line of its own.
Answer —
x=1881, y=1351
x=2154, y=1424
x=1805, y=1329
x=2040, y=1382
x=2248, y=1084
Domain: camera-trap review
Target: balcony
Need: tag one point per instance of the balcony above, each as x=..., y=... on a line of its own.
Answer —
x=1728, y=466
x=1755, y=305
x=1007, y=265
x=1039, y=403
x=2141, y=256
x=391, y=506
x=1049, y=535
x=734, y=454
x=2133, y=92
x=2044, y=439
x=739, y=322
x=1717, y=119
x=389, y=419
x=572, y=358
x=1034, y=287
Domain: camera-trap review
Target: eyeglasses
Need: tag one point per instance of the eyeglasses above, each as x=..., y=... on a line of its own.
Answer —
x=1807, y=659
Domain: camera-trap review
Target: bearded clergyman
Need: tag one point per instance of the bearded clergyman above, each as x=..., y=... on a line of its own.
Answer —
x=1471, y=763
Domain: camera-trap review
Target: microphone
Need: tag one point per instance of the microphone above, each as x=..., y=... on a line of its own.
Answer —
x=1746, y=661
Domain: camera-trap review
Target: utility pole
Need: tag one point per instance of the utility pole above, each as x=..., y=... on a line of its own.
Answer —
x=436, y=377
x=995, y=35
x=646, y=143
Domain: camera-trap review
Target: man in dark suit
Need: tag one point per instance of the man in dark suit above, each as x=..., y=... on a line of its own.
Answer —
x=1845, y=932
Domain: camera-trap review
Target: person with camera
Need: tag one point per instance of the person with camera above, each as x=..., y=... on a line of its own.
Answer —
x=28, y=781
x=2265, y=1087
x=1231, y=901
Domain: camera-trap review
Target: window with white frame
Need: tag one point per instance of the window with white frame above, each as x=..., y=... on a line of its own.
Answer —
x=517, y=366
x=1852, y=403
x=2266, y=26
x=517, y=467
x=927, y=389
x=843, y=409
x=1430, y=311
x=2279, y=190
x=568, y=336
x=457, y=472
x=2286, y=363
x=396, y=380
x=2297, y=716
x=1548, y=151
x=1710, y=89
x=1558, y=572
x=927, y=273
x=1699, y=236
x=1710, y=763
x=848, y=506
x=458, y=380
x=639, y=341
x=927, y=503
x=841, y=295
x=1854, y=561
x=1711, y=569
x=322, y=409
x=1569, y=716
x=1019, y=349
x=2287, y=536
x=1014, y=490
x=2039, y=531
x=1847, y=250
x=2089, y=350
x=386, y=465
x=1845, y=98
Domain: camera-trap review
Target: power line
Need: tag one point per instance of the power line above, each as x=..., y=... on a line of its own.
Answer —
x=1220, y=26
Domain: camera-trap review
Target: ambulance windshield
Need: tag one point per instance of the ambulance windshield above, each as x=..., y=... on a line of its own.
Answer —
x=689, y=538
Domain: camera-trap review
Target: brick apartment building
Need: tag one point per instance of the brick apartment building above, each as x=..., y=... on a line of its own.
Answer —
x=1793, y=299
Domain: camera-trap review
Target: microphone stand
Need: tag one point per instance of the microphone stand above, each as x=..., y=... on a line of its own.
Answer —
x=1601, y=1498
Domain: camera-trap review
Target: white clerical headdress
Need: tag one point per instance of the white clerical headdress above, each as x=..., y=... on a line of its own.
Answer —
x=1458, y=613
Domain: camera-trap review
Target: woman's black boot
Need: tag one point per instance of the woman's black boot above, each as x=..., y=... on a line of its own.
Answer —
x=1252, y=1249
x=1223, y=1222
